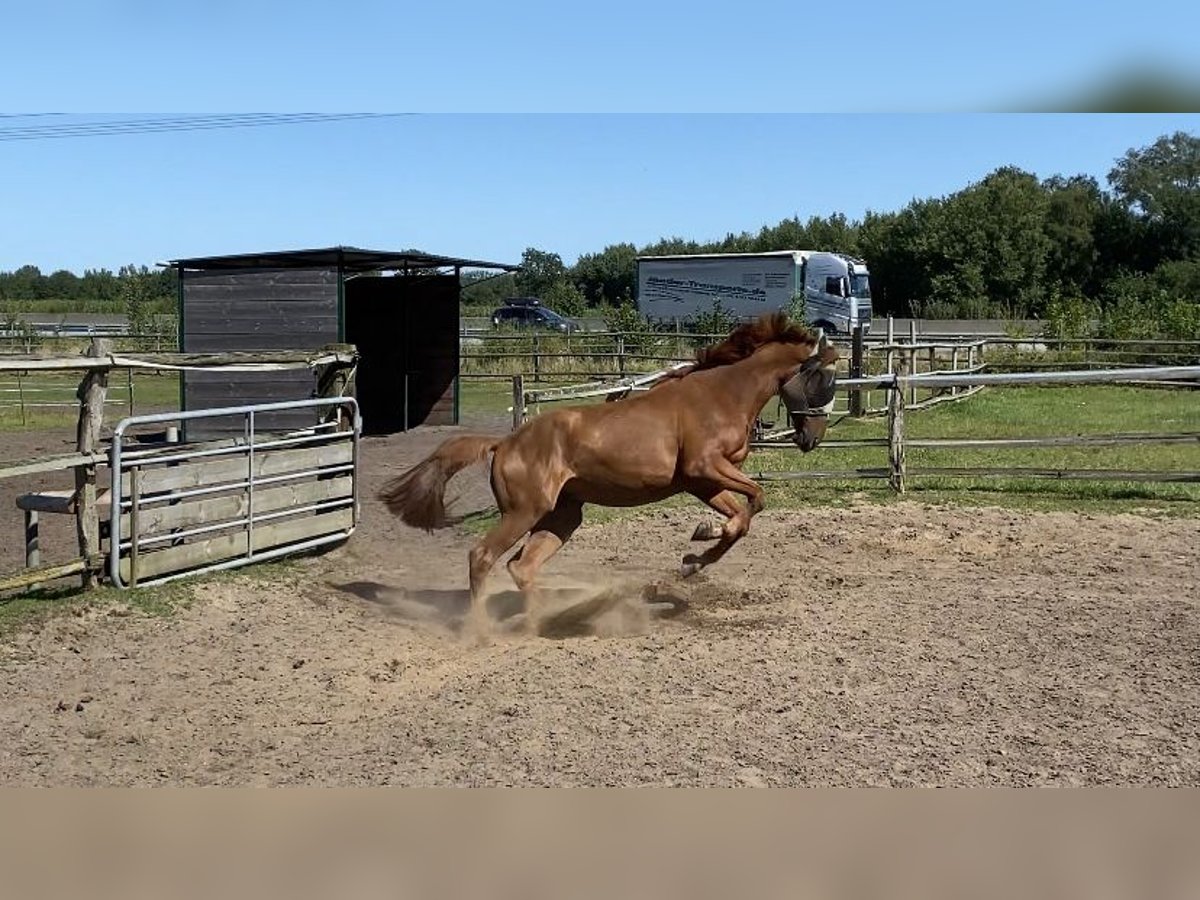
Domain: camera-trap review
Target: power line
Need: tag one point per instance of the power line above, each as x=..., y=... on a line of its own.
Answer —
x=57, y=130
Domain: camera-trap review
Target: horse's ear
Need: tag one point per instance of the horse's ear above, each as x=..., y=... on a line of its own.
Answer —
x=826, y=352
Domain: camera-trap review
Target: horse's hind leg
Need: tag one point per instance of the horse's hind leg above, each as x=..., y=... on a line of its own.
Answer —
x=552, y=531
x=511, y=528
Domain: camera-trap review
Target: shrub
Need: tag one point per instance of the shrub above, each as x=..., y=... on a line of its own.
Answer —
x=625, y=318
x=1071, y=316
x=1181, y=320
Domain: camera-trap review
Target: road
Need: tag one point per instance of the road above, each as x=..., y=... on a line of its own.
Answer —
x=77, y=323
x=925, y=327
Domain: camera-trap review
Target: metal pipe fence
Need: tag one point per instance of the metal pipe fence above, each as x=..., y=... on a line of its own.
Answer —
x=898, y=386
x=271, y=497
x=542, y=357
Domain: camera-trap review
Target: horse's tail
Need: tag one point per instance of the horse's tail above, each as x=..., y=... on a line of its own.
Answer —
x=418, y=496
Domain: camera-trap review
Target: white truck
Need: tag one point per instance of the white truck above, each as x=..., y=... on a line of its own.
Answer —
x=836, y=288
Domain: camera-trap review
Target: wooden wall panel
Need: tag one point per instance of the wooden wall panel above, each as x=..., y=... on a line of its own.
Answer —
x=259, y=309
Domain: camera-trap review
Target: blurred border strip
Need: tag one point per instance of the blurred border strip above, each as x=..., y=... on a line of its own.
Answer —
x=1092, y=843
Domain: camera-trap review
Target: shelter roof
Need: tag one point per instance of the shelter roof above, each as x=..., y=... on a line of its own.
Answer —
x=349, y=259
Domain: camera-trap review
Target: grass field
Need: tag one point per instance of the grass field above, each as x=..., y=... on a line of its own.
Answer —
x=152, y=391
x=28, y=608
x=995, y=412
x=1019, y=412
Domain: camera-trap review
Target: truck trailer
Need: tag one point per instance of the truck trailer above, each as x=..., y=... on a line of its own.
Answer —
x=835, y=288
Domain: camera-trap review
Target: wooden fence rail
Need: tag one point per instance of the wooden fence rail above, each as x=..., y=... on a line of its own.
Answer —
x=922, y=358
x=584, y=355
x=898, y=471
x=901, y=385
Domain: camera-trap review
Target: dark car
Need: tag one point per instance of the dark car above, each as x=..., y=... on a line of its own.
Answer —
x=526, y=312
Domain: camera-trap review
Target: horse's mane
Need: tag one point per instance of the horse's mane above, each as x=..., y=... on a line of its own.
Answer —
x=770, y=328
x=773, y=328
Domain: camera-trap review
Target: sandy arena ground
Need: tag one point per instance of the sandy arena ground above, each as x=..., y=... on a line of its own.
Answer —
x=899, y=645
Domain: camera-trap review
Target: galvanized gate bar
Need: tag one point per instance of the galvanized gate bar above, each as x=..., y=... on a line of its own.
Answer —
x=321, y=503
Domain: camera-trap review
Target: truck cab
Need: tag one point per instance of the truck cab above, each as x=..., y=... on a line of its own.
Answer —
x=837, y=292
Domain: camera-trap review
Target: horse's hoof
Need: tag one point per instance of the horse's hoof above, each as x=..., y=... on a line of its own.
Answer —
x=476, y=639
x=688, y=569
x=477, y=630
x=707, y=531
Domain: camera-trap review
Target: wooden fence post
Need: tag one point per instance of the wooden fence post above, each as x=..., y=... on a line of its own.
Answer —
x=912, y=360
x=21, y=398
x=333, y=380
x=518, y=401
x=537, y=358
x=91, y=394
x=621, y=354
x=856, y=370
x=33, y=555
x=896, y=430
x=890, y=357
x=908, y=362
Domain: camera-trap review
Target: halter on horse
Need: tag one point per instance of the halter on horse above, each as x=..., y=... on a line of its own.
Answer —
x=689, y=434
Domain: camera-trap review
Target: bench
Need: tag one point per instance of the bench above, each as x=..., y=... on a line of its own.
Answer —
x=60, y=502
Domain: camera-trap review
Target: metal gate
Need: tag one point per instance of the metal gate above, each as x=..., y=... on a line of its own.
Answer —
x=181, y=509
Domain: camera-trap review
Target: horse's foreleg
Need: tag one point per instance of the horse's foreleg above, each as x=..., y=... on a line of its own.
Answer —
x=724, y=502
x=724, y=483
x=549, y=534
x=731, y=478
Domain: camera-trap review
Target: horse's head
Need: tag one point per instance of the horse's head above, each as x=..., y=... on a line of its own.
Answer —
x=808, y=395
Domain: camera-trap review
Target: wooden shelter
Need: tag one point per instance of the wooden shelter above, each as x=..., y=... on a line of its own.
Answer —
x=399, y=308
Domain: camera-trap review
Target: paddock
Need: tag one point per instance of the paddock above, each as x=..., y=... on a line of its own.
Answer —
x=866, y=644
x=848, y=642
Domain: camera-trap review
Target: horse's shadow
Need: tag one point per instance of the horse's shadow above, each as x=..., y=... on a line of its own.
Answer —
x=567, y=611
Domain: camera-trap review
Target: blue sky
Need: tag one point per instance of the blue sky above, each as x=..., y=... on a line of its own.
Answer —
x=615, y=56
x=488, y=186
x=562, y=126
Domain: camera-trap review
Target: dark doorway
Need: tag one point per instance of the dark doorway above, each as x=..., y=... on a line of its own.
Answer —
x=406, y=330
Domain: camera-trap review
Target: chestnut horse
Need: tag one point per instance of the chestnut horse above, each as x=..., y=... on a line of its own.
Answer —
x=688, y=434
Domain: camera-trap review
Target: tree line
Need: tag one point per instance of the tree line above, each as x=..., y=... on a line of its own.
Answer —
x=1122, y=259
x=97, y=290
x=147, y=298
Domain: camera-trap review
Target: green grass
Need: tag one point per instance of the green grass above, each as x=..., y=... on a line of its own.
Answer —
x=151, y=391
x=24, y=610
x=995, y=412
x=1018, y=412
x=491, y=395
x=66, y=306
x=479, y=395
x=33, y=607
